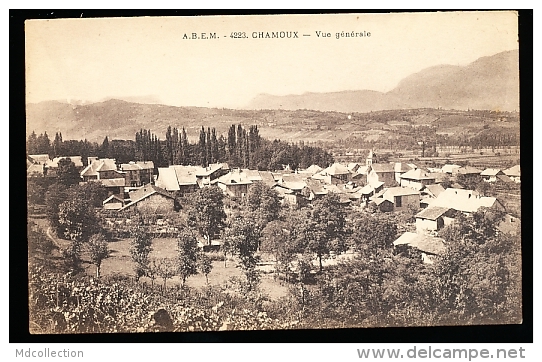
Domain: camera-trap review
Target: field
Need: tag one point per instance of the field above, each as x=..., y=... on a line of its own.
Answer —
x=120, y=263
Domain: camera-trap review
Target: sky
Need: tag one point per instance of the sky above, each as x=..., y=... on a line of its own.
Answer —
x=147, y=58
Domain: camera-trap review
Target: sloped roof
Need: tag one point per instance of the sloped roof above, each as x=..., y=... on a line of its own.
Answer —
x=417, y=174
x=314, y=169
x=336, y=169
x=147, y=190
x=383, y=167
x=423, y=242
x=435, y=189
x=504, y=178
x=490, y=172
x=106, y=164
x=167, y=179
x=513, y=171
x=316, y=187
x=463, y=200
x=139, y=165
x=234, y=178
x=367, y=189
x=209, y=170
x=432, y=213
x=186, y=175
x=401, y=167
x=41, y=159
x=380, y=200
x=35, y=169
x=113, y=182
x=267, y=178
x=252, y=175
x=467, y=170
x=111, y=198
x=399, y=191
x=449, y=168
x=144, y=192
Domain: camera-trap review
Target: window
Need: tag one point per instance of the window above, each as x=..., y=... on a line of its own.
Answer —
x=398, y=201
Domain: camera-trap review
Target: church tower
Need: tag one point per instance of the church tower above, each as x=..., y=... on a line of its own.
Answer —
x=371, y=158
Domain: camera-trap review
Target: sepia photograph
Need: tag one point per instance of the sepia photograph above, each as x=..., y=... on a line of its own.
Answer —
x=273, y=172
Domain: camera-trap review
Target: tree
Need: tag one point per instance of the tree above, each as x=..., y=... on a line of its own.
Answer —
x=187, y=248
x=55, y=195
x=98, y=251
x=277, y=240
x=372, y=232
x=166, y=269
x=264, y=202
x=446, y=182
x=77, y=219
x=140, y=248
x=205, y=265
x=67, y=174
x=243, y=237
x=326, y=230
x=206, y=212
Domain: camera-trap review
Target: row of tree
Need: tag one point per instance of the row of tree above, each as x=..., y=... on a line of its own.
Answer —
x=241, y=147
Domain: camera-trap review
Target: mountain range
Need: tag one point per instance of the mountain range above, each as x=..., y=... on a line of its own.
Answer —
x=490, y=83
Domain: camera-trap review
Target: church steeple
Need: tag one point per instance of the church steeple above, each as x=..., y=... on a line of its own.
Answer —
x=371, y=158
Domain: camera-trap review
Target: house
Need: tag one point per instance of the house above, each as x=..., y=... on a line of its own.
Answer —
x=51, y=166
x=402, y=198
x=434, y=218
x=433, y=190
x=138, y=173
x=267, y=178
x=234, y=184
x=39, y=159
x=382, y=172
x=35, y=170
x=429, y=193
x=313, y=169
x=177, y=178
x=289, y=196
x=334, y=174
x=211, y=172
x=383, y=204
x=490, y=174
x=514, y=173
x=114, y=186
x=360, y=175
x=370, y=190
x=468, y=171
x=417, y=179
x=400, y=169
x=510, y=225
x=151, y=199
x=252, y=175
x=466, y=201
x=430, y=246
x=113, y=202
x=99, y=169
x=450, y=169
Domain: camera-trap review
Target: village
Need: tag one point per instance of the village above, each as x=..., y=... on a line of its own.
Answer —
x=432, y=194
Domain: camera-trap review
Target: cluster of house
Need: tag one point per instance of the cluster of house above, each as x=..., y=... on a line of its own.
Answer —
x=390, y=187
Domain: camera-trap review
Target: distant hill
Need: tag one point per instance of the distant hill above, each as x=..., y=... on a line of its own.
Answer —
x=488, y=83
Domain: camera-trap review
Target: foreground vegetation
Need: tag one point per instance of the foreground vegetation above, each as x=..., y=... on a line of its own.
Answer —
x=476, y=281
